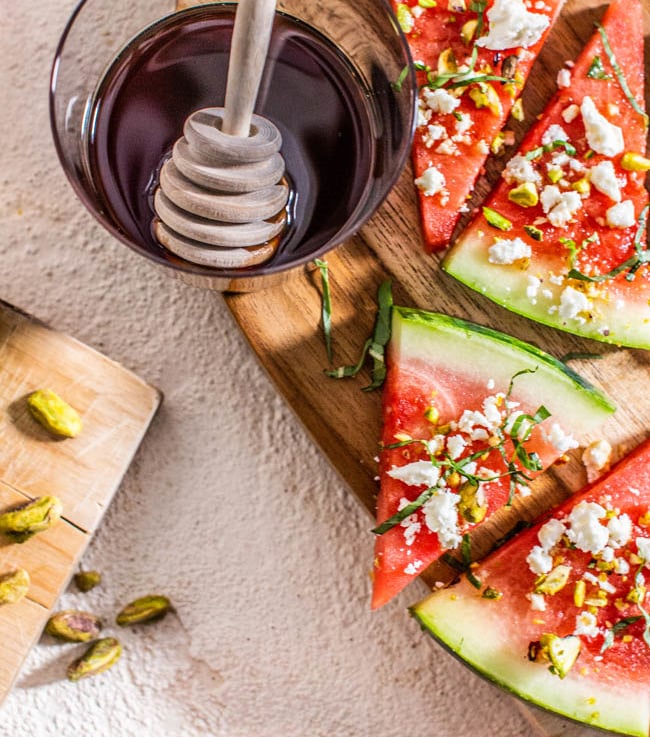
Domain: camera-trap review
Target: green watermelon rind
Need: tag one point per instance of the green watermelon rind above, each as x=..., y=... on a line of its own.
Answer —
x=467, y=262
x=458, y=623
x=421, y=335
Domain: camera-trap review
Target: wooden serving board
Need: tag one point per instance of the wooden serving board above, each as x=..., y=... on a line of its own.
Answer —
x=283, y=326
x=84, y=472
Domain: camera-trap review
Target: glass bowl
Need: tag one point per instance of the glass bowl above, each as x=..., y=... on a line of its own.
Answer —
x=127, y=74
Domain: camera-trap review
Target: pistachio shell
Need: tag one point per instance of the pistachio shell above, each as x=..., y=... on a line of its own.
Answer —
x=14, y=585
x=54, y=414
x=73, y=625
x=144, y=609
x=100, y=656
x=24, y=521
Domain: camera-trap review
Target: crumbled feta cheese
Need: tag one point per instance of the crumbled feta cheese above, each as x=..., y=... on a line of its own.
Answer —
x=621, y=566
x=434, y=133
x=511, y=24
x=620, y=530
x=463, y=123
x=603, y=137
x=436, y=444
x=596, y=458
x=550, y=533
x=603, y=177
x=431, y=182
x=559, y=439
x=563, y=78
x=643, y=548
x=585, y=530
x=586, y=624
x=412, y=568
x=539, y=561
x=456, y=444
x=559, y=206
x=441, y=517
x=508, y=251
x=537, y=602
x=418, y=473
x=520, y=170
x=621, y=215
x=573, y=303
x=423, y=114
x=554, y=133
x=532, y=288
x=439, y=100
x=570, y=113
x=448, y=148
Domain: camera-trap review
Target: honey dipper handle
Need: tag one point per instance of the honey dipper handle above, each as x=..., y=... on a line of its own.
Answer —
x=250, y=44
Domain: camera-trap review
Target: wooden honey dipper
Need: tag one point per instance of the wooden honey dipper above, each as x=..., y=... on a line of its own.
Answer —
x=221, y=200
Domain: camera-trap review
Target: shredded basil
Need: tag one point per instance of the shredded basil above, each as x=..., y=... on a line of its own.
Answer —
x=639, y=580
x=577, y=356
x=546, y=149
x=375, y=346
x=403, y=513
x=597, y=70
x=464, y=565
x=519, y=434
x=621, y=625
x=326, y=307
x=619, y=74
x=631, y=265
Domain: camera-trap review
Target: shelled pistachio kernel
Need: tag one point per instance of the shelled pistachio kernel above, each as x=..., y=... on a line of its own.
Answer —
x=73, y=625
x=87, y=580
x=100, y=656
x=54, y=414
x=28, y=519
x=14, y=585
x=144, y=609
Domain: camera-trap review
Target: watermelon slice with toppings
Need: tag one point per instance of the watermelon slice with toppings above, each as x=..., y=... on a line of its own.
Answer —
x=562, y=238
x=473, y=60
x=470, y=416
x=560, y=614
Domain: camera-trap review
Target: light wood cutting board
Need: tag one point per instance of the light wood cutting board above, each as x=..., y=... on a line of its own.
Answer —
x=283, y=327
x=84, y=472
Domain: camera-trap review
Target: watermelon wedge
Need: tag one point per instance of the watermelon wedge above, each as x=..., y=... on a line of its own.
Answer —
x=470, y=415
x=562, y=238
x=560, y=615
x=473, y=60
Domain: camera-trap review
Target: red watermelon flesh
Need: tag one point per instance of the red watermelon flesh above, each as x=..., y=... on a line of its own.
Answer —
x=452, y=395
x=556, y=272
x=601, y=538
x=457, y=143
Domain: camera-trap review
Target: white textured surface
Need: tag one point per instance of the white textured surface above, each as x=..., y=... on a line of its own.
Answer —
x=228, y=508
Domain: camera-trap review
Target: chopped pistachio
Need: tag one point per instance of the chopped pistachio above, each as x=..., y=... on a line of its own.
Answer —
x=535, y=233
x=635, y=162
x=447, y=62
x=518, y=109
x=553, y=581
x=496, y=220
x=427, y=3
x=469, y=506
x=555, y=175
x=432, y=415
x=405, y=17
x=579, y=593
x=561, y=651
x=468, y=30
x=524, y=195
x=498, y=143
x=582, y=186
x=484, y=95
